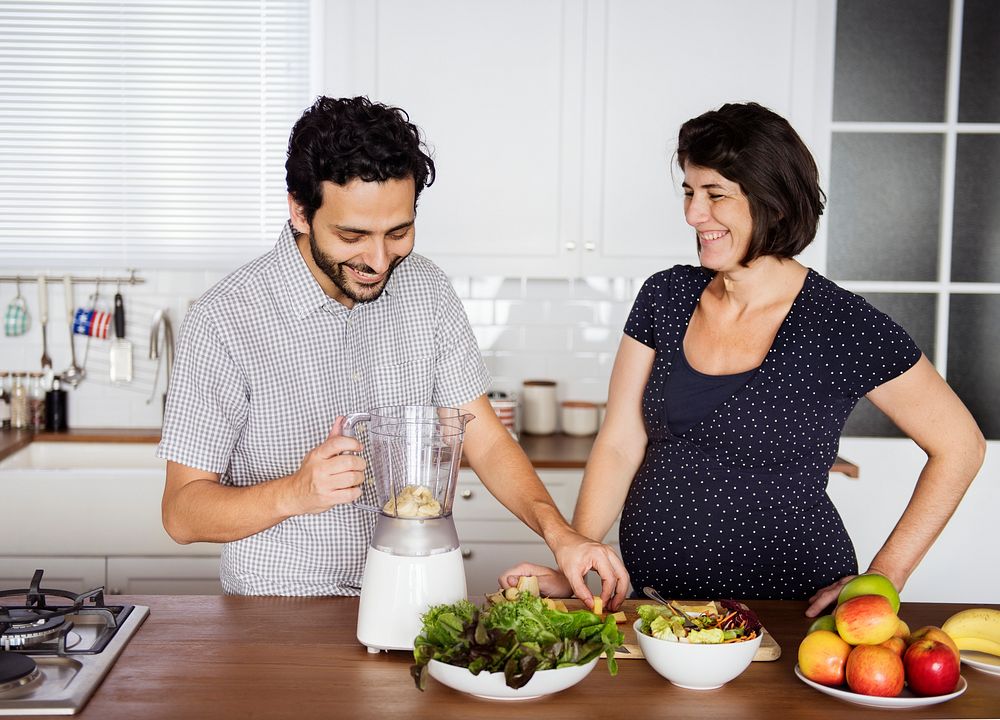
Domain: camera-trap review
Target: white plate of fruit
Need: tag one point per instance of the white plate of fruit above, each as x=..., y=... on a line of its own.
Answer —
x=865, y=654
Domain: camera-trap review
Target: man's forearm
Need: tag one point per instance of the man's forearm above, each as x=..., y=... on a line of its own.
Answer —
x=205, y=511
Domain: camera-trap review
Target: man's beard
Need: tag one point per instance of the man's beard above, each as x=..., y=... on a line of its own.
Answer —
x=352, y=289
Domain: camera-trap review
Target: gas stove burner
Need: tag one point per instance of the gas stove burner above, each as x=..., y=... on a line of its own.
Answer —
x=26, y=629
x=16, y=671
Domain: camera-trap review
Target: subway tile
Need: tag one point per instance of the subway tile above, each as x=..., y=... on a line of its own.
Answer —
x=518, y=367
x=539, y=338
x=600, y=288
x=479, y=312
x=594, y=339
x=589, y=389
x=498, y=337
x=538, y=289
x=462, y=286
x=496, y=287
x=612, y=314
x=573, y=313
x=521, y=312
x=577, y=365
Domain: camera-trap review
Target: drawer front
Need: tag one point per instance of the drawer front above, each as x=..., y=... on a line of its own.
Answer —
x=473, y=501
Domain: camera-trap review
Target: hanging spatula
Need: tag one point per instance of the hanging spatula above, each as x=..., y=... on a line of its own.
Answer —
x=121, y=349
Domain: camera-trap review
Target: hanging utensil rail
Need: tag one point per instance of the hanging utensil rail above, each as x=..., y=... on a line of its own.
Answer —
x=131, y=279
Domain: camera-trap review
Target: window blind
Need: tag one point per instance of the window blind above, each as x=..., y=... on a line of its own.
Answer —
x=146, y=134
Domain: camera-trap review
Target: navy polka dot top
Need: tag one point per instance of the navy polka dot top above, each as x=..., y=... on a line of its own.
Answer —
x=736, y=506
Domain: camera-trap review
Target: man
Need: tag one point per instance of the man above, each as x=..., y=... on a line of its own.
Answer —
x=340, y=316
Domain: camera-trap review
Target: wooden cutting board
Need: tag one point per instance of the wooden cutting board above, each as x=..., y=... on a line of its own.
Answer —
x=768, y=650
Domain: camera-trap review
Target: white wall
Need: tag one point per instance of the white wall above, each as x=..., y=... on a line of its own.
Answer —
x=961, y=566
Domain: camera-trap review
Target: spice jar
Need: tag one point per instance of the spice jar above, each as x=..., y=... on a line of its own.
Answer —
x=19, y=419
x=579, y=418
x=540, y=407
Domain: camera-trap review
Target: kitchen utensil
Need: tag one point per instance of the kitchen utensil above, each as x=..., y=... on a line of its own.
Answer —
x=653, y=595
x=17, y=320
x=43, y=317
x=74, y=374
x=121, y=348
x=414, y=560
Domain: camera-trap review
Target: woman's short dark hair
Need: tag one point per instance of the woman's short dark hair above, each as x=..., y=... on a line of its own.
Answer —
x=339, y=140
x=757, y=148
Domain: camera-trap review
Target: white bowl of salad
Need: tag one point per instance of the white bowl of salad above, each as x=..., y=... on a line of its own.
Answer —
x=697, y=651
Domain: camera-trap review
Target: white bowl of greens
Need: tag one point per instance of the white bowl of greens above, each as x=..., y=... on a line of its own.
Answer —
x=698, y=652
x=513, y=650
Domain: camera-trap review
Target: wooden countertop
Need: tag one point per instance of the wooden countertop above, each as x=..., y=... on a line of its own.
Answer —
x=238, y=657
x=545, y=451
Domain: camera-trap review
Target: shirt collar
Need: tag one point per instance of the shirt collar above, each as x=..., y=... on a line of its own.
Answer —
x=304, y=292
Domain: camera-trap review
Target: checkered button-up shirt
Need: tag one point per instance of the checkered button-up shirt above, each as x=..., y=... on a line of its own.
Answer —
x=266, y=361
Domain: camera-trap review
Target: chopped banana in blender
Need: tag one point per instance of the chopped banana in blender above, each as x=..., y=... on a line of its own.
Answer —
x=413, y=501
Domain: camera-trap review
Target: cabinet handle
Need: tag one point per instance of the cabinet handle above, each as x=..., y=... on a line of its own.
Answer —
x=466, y=553
x=466, y=494
x=589, y=247
x=571, y=245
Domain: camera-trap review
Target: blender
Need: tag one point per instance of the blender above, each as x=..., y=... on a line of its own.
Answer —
x=414, y=560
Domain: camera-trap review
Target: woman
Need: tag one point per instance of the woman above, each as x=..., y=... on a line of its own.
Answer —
x=732, y=385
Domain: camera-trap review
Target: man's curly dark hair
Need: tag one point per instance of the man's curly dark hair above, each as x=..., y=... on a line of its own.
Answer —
x=347, y=138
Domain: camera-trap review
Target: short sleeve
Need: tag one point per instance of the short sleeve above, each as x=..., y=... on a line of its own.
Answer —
x=641, y=320
x=879, y=350
x=460, y=374
x=208, y=402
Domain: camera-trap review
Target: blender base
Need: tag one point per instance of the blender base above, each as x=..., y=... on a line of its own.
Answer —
x=396, y=590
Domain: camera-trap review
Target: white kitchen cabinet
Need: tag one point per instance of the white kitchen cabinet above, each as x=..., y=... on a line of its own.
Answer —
x=164, y=576
x=493, y=539
x=553, y=122
x=496, y=87
x=650, y=66
x=73, y=574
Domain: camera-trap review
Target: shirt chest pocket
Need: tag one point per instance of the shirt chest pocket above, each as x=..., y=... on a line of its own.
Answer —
x=405, y=383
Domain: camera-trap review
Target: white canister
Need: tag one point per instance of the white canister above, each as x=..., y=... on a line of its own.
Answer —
x=579, y=418
x=539, y=407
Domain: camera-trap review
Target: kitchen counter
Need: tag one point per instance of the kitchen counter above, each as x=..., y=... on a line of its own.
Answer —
x=545, y=451
x=236, y=657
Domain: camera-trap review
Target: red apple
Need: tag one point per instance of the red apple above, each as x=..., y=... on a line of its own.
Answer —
x=866, y=620
x=874, y=670
x=931, y=668
x=822, y=656
x=930, y=632
x=896, y=644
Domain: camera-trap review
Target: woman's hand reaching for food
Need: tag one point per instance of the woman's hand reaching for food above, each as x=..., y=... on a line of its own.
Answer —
x=826, y=596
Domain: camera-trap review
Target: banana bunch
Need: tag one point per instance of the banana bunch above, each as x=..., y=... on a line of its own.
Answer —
x=975, y=629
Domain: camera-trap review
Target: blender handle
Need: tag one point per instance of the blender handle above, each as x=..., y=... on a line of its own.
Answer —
x=350, y=421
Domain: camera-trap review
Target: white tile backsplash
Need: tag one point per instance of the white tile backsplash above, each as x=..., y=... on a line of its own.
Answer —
x=563, y=330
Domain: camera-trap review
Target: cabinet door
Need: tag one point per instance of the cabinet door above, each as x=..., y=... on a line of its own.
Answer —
x=651, y=65
x=73, y=574
x=496, y=87
x=164, y=576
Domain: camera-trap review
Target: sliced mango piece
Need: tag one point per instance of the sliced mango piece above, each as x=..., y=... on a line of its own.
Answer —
x=619, y=617
x=598, y=606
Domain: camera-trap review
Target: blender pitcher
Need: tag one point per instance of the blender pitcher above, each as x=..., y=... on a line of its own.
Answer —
x=414, y=560
x=415, y=453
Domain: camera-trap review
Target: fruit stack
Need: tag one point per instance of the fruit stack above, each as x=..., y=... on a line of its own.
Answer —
x=865, y=644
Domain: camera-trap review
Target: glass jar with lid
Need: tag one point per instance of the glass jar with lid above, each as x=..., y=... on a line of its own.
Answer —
x=19, y=419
